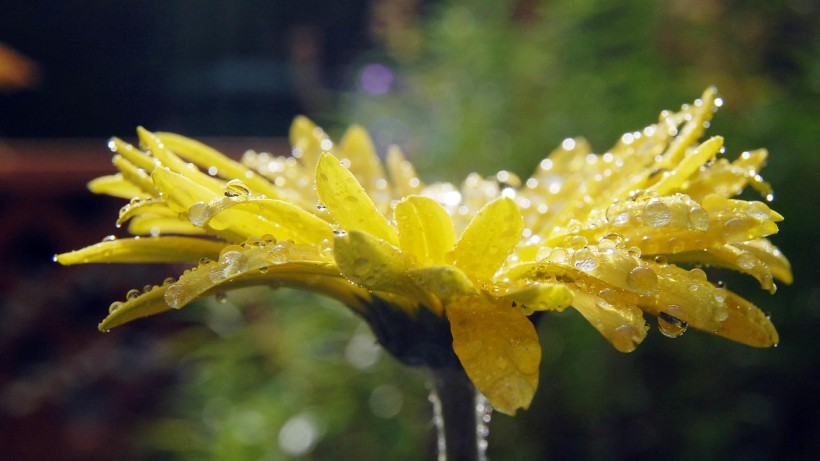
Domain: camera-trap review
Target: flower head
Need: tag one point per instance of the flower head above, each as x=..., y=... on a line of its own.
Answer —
x=450, y=275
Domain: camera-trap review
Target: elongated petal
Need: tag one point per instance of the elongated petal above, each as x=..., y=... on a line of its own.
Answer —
x=365, y=164
x=747, y=324
x=208, y=157
x=143, y=250
x=729, y=179
x=774, y=259
x=348, y=202
x=139, y=158
x=306, y=140
x=425, y=230
x=540, y=297
x=446, y=282
x=489, y=239
x=621, y=324
x=403, y=176
x=732, y=257
x=161, y=225
x=134, y=175
x=498, y=348
x=176, y=164
x=115, y=185
x=688, y=166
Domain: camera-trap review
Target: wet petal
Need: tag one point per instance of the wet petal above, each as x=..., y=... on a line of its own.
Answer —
x=365, y=164
x=425, y=230
x=171, y=161
x=489, y=238
x=403, y=176
x=143, y=250
x=115, y=185
x=348, y=202
x=306, y=140
x=729, y=179
x=208, y=157
x=747, y=324
x=772, y=257
x=134, y=175
x=376, y=265
x=621, y=324
x=161, y=225
x=540, y=297
x=498, y=348
x=688, y=166
x=445, y=282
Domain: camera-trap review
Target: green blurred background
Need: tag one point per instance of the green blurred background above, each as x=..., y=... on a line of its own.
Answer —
x=462, y=86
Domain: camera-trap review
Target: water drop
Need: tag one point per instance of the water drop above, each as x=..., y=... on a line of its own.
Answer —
x=746, y=260
x=203, y=261
x=221, y=297
x=625, y=338
x=236, y=188
x=199, y=213
x=671, y=321
x=584, y=260
x=656, y=213
x=698, y=274
x=634, y=251
x=321, y=207
x=339, y=233
x=558, y=255
x=109, y=238
x=173, y=294
x=577, y=242
x=606, y=246
x=132, y=294
x=114, y=307
x=660, y=259
x=698, y=218
x=642, y=280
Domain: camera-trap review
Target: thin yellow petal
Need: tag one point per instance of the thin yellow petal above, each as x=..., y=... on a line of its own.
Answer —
x=688, y=166
x=403, y=177
x=747, y=324
x=498, y=348
x=115, y=185
x=306, y=140
x=540, y=297
x=621, y=324
x=489, y=238
x=348, y=202
x=774, y=259
x=143, y=250
x=365, y=164
x=150, y=206
x=134, y=175
x=171, y=161
x=132, y=154
x=161, y=225
x=207, y=157
x=425, y=230
x=698, y=114
x=446, y=282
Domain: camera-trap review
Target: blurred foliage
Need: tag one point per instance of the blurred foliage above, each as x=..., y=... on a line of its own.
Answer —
x=487, y=85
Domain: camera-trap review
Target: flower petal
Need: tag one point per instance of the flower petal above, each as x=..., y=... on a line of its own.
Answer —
x=672, y=180
x=115, y=185
x=207, y=157
x=171, y=161
x=377, y=265
x=540, y=297
x=365, y=164
x=143, y=250
x=489, y=238
x=134, y=175
x=621, y=324
x=161, y=225
x=403, y=175
x=445, y=282
x=729, y=179
x=498, y=348
x=348, y=202
x=425, y=230
x=747, y=324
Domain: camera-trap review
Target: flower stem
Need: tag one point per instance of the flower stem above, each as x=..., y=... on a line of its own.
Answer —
x=461, y=415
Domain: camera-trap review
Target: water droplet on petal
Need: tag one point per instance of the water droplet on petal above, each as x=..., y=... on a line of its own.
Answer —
x=114, y=307
x=584, y=260
x=698, y=218
x=221, y=297
x=642, y=280
x=236, y=188
x=671, y=321
x=173, y=294
x=625, y=338
x=199, y=213
x=746, y=260
x=577, y=242
x=656, y=213
x=109, y=238
x=132, y=294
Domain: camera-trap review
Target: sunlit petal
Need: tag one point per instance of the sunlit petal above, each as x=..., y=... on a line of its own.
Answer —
x=489, y=239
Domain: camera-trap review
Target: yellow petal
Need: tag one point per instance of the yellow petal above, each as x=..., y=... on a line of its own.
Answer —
x=540, y=297
x=621, y=324
x=732, y=257
x=729, y=179
x=376, y=264
x=176, y=164
x=489, y=238
x=425, y=230
x=348, y=202
x=115, y=185
x=688, y=166
x=403, y=177
x=498, y=348
x=161, y=225
x=774, y=259
x=150, y=206
x=697, y=116
x=134, y=175
x=306, y=140
x=143, y=250
x=747, y=324
x=445, y=282
x=365, y=164
x=180, y=192
x=207, y=157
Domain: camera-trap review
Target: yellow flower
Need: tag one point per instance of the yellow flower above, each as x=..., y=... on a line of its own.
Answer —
x=448, y=275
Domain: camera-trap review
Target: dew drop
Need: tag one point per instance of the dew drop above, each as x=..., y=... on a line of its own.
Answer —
x=199, y=213
x=132, y=294
x=625, y=338
x=698, y=218
x=168, y=281
x=671, y=321
x=236, y=188
x=558, y=255
x=746, y=260
x=339, y=233
x=642, y=280
x=203, y=261
x=698, y=274
x=114, y=307
x=577, y=242
x=221, y=297
x=173, y=294
x=606, y=246
x=634, y=251
x=109, y=238
x=656, y=213
x=584, y=260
